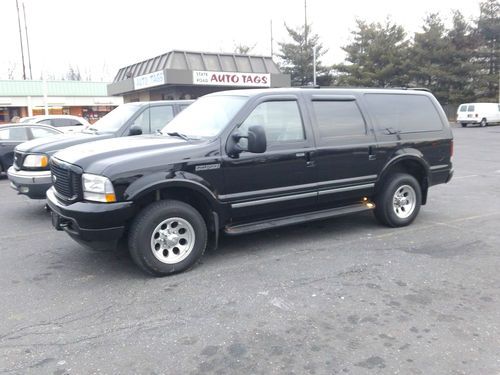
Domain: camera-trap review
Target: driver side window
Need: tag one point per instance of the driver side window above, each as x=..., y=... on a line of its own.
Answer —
x=281, y=121
x=142, y=121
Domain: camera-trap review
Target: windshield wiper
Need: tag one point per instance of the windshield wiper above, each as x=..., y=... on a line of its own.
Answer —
x=180, y=135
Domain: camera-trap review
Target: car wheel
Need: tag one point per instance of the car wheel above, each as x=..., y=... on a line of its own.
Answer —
x=399, y=200
x=167, y=237
x=483, y=123
x=464, y=124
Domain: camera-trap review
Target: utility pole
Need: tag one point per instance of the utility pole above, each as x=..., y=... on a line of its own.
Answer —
x=27, y=41
x=21, y=39
x=272, y=39
x=305, y=23
x=314, y=65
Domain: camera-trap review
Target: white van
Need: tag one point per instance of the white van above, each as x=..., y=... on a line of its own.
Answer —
x=478, y=113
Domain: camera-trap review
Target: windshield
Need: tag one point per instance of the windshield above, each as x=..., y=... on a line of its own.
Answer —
x=206, y=117
x=114, y=119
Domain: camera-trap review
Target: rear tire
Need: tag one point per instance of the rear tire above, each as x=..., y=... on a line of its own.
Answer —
x=398, y=201
x=167, y=237
x=483, y=123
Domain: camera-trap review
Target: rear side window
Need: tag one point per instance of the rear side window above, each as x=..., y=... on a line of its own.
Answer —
x=338, y=118
x=471, y=108
x=404, y=113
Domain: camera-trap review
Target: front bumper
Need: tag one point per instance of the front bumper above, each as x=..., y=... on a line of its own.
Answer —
x=34, y=184
x=91, y=223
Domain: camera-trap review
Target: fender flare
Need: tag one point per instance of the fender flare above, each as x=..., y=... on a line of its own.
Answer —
x=143, y=188
x=401, y=157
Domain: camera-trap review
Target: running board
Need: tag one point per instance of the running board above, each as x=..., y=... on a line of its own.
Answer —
x=295, y=219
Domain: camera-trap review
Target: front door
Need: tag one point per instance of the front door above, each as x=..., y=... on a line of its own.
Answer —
x=281, y=180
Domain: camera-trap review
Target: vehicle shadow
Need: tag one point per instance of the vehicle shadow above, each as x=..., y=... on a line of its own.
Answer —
x=303, y=235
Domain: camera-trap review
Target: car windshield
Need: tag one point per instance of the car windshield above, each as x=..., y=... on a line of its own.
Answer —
x=206, y=117
x=114, y=119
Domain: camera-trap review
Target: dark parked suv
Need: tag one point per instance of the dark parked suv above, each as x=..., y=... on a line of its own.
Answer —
x=30, y=174
x=249, y=160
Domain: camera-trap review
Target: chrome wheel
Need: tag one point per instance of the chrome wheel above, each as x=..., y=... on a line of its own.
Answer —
x=404, y=201
x=172, y=240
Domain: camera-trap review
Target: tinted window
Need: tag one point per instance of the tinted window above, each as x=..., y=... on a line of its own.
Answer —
x=338, y=118
x=463, y=108
x=182, y=107
x=46, y=121
x=42, y=132
x=160, y=116
x=13, y=134
x=406, y=113
x=281, y=120
x=471, y=108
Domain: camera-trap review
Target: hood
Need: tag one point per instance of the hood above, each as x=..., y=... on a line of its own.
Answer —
x=95, y=157
x=50, y=145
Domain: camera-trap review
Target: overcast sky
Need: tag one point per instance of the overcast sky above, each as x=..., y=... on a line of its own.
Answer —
x=104, y=35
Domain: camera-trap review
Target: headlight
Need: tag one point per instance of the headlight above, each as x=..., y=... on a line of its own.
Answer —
x=97, y=188
x=36, y=161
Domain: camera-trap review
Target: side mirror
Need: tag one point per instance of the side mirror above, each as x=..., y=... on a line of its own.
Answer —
x=257, y=141
x=135, y=130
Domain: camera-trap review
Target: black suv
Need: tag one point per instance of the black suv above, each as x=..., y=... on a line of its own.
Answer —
x=249, y=160
x=30, y=174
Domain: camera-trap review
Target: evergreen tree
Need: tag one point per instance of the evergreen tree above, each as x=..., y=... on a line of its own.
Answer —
x=488, y=51
x=461, y=68
x=297, y=57
x=377, y=56
x=432, y=56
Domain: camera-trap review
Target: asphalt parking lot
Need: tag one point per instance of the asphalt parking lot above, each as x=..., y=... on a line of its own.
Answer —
x=343, y=296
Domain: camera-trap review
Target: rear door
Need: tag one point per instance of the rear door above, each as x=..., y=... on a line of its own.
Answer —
x=346, y=158
x=281, y=180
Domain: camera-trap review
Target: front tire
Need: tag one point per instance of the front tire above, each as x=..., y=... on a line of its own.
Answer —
x=464, y=124
x=483, y=123
x=167, y=237
x=398, y=201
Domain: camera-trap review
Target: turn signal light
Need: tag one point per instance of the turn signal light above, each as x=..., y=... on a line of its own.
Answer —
x=110, y=198
x=44, y=161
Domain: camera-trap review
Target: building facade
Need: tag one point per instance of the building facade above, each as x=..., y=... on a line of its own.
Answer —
x=189, y=75
x=27, y=98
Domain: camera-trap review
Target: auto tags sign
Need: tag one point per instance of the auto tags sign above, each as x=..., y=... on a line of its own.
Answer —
x=149, y=80
x=231, y=79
